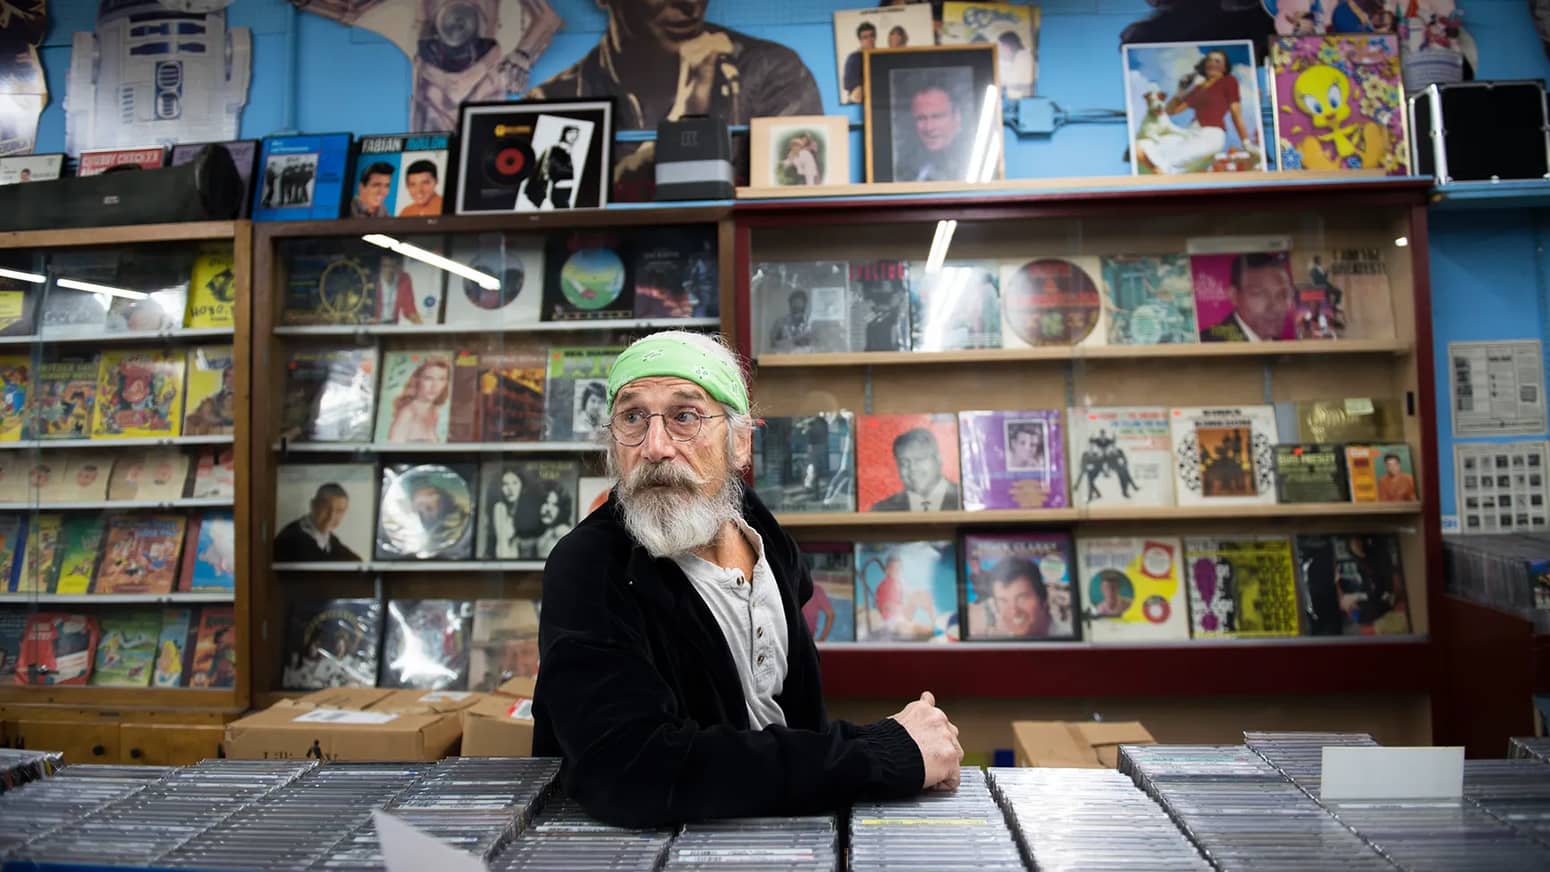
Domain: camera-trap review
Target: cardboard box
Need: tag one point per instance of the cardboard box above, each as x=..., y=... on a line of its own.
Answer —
x=1076, y=744
x=501, y=724
x=354, y=723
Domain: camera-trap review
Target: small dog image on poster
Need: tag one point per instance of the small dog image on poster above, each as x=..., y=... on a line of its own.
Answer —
x=560, y=145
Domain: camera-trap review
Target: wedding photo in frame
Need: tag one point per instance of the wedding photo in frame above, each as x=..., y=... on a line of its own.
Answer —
x=799, y=150
x=534, y=156
x=926, y=108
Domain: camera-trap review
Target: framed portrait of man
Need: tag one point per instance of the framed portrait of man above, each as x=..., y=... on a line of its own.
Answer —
x=933, y=114
x=534, y=156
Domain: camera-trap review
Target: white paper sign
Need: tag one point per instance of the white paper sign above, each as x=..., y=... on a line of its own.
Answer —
x=1497, y=388
x=1368, y=773
x=1501, y=487
x=406, y=849
x=340, y=716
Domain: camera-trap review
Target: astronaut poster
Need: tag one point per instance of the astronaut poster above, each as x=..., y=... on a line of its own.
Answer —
x=23, y=93
x=461, y=51
x=157, y=74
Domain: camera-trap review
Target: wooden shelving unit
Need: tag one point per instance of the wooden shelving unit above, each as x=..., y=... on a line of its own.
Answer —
x=1093, y=217
x=107, y=724
x=277, y=585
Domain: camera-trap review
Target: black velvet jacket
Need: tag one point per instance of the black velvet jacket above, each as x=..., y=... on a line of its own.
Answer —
x=638, y=693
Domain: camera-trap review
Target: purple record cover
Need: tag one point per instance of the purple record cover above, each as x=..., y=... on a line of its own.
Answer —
x=1012, y=460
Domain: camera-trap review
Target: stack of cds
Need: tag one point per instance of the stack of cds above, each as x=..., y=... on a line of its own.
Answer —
x=961, y=829
x=32, y=812
x=1441, y=834
x=564, y=837
x=1532, y=748
x=1240, y=812
x=1066, y=820
x=299, y=825
x=146, y=824
x=1506, y=572
x=1516, y=792
x=19, y=767
x=1300, y=756
x=775, y=844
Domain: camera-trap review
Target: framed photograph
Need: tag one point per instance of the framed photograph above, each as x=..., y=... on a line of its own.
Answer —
x=800, y=150
x=1193, y=107
x=857, y=31
x=925, y=108
x=534, y=156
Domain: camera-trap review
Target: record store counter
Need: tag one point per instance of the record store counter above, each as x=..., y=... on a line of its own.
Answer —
x=1252, y=806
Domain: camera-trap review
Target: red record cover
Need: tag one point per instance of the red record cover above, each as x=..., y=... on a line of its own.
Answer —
x=57, y=648
x=907, y=463
x=190, y=553
x=214, y=646
x=140, y=554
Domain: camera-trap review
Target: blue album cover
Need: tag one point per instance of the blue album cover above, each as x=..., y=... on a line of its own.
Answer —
x=215, y=561
x=301, y=178
x=399, y=176
x=906, y=592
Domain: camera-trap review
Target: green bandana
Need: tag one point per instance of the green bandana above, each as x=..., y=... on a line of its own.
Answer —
x=668, y=356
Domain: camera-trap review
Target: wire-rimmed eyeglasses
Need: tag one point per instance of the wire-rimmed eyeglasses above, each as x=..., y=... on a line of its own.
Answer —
x=629, y=427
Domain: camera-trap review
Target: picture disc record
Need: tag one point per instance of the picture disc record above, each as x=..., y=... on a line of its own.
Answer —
x=427, y=514
x=1051, y=301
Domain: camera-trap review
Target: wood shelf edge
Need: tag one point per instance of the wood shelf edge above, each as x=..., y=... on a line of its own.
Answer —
x=1050, y=516
x=192, y=231
x=1098, y=352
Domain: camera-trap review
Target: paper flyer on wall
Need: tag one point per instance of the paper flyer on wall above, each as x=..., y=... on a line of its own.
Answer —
x=1497, y=388
x=1501, y=487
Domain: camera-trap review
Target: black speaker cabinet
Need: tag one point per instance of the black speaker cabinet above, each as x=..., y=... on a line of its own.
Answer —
x=1481, y=131
x=205, y=189
x=694, y=159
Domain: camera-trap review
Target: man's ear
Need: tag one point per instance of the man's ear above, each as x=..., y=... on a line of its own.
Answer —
x=743, y=449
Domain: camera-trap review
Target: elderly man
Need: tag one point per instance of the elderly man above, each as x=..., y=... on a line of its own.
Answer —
x=679, y=679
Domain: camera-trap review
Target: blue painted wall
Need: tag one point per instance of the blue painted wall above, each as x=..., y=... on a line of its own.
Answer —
x=314, y=75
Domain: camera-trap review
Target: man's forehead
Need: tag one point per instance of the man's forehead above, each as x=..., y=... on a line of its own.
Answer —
x=660, y=385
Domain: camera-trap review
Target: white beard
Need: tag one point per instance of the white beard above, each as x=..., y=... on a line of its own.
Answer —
x=679, y=519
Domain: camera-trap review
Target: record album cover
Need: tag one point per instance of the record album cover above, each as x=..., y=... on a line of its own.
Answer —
x=172, y=647
x=1338, y=103
x=410, y=286
x=1224, y=455
x=1310, y=473
x=1012, y=460
x=879, y=305
x=510, y=288
x=1051, y=301
x=1120, y=456
x=534, y=156
x=126, y=650
x=1186, y=103
x=416, y=396
x=214, y=558
x=426, y=512
x=65, y=399
x=213, y=290
x=801, y=306
x=675, y=272
x=1150, y=298
x=324, y=511
x=159, y=311
x=592, y=494
x=332, y=281
x=510, y=401
x=1132, y=589
x=907, y=463
x=16, y=383
x=332, y=643
x=958, y=306
x=13, y=627
x=329, y=395
x=806, y=463
x=213, y=661
x=399, y=176
x=80, y=545
x=588, y=276
x=1242, y=587
x=505, y=643
x=576, y=400
x=1356, y=282
x=244, y=153
x=13, y=549
x=831, y=611
x=1012, y=28
x=95, y=162
x=148, y=475
x=40, y=561
x=16, y=169
x=73, y=311
x=906, y=592
x=139, y=394
x=426, y=644
x=1353, y=584
x=301, y=178
x=86, y=477
x=1380, y=473
x=1246, y=296
x=141, y=554
x=215, y=475
x=1352, y=419
x=1018, y=586
x=19, y=295
x=57, y=649
x=525, y=508
x=211, y=402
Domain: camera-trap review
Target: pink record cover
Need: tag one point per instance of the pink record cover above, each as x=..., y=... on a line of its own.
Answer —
x=1264, y=308
x=1012, y=460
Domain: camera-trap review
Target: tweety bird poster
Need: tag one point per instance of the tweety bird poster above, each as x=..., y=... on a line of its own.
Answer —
x=1339, y=104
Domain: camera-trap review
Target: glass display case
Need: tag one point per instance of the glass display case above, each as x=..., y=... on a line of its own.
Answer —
x=430, y=398
x=123, y=594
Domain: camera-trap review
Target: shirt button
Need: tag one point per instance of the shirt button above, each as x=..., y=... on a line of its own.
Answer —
x=760, y=661
x=759, y=633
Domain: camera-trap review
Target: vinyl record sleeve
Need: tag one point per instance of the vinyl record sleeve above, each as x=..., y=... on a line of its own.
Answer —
x=426, y=644
x=332, y=643
x=426, y=512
